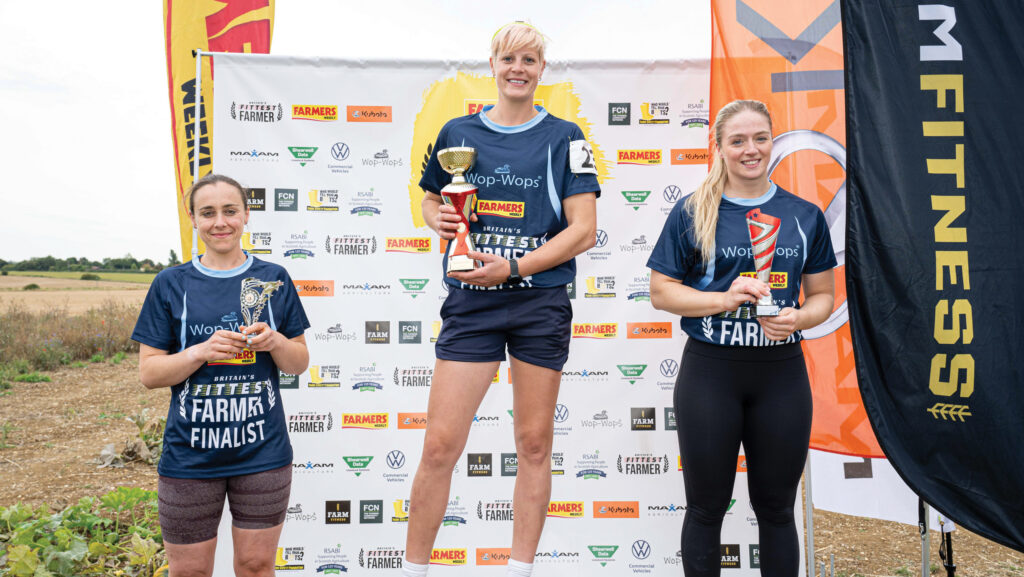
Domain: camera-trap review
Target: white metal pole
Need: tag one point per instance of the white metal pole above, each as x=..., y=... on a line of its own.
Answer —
x=809, y=512
x=196, y=137
x=926, y=540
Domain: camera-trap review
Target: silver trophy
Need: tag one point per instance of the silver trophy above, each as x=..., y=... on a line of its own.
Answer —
x=764, y=234
x=254, y=296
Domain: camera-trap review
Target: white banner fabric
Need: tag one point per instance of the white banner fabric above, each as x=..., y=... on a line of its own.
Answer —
x=333, y=152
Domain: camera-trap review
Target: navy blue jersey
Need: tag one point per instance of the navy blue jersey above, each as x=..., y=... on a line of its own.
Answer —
x=523, y=174
x=803, y=247
x=226, y=419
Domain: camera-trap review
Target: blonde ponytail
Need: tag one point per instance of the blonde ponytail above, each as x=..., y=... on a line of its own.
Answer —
x=703, y=204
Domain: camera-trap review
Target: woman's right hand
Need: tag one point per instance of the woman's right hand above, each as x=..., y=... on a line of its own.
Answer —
x=744, y=289
x=222, y=345
x=447, y=221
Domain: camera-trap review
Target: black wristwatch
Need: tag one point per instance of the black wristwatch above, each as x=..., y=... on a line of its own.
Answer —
x=514, y=278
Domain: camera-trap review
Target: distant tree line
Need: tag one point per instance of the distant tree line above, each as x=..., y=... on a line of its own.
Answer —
x=127, y=263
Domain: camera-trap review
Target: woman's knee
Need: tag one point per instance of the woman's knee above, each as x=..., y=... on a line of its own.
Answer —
x=440, y=452
x=533, y=448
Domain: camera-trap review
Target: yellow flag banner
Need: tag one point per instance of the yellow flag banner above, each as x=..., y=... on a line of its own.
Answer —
x=789, y=55
x=210, y=26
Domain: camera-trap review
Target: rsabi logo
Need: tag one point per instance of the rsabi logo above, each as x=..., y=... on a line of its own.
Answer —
x=669, y=368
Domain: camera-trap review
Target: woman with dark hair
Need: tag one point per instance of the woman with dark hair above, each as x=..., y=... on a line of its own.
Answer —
x=516, y=299
x=742, y=376
x=200, y=332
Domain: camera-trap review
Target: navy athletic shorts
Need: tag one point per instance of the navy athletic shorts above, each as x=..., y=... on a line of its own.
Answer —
x=535, y=324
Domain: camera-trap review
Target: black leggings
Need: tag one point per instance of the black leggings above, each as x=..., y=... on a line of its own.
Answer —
x=760, y=396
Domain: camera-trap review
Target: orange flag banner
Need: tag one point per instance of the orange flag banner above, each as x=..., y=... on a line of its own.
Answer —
x=789, y=55
x=210, y=26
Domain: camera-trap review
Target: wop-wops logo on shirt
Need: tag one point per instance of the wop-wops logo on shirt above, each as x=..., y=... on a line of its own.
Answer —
x=506, y=177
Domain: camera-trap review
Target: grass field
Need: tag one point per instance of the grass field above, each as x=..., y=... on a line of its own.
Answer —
x=136, y=277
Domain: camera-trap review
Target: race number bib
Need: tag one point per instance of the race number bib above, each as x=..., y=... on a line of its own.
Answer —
x=581, y=158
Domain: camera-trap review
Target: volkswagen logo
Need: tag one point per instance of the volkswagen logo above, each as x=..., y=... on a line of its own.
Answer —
x=602, y=239
x=669, y=368
x=561, y=413
x=339, y=151
x=672, y=193
x=641, y=549
x=396, y=459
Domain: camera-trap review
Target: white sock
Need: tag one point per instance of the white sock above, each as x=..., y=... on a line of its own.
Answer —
x=519, y=569
x=410, y=569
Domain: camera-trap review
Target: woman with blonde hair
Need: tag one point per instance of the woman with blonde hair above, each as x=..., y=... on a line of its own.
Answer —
x=516, y=299
x=742, y=378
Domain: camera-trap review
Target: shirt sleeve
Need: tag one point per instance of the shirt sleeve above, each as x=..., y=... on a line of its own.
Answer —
x=434, y=177
x=579, y=179
x=820, y=254
x=292, y=320
x=669, y=256
x=155, y=327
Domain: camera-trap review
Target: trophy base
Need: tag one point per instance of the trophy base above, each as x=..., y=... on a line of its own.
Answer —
x=460, y=263
x=767, y=310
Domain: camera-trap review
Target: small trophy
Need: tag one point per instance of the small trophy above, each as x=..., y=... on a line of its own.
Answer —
x=461, y=195
x=255, y=294
x=764, y=233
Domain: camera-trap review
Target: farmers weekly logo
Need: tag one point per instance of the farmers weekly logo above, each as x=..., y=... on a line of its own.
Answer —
x=560, y=99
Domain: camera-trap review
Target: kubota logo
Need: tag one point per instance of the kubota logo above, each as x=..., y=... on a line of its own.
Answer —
x=314, y=288
x=368, y=113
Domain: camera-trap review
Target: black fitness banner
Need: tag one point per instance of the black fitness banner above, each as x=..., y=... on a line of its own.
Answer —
x=935, y=257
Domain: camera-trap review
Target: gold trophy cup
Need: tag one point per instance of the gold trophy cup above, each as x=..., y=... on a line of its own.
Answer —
x=462, y=196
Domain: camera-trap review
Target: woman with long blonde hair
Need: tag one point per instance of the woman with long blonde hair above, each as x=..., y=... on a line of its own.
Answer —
x=742, y=378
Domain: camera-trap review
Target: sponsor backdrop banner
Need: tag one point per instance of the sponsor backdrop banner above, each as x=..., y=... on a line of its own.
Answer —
x=332, y=151
x=942, y=391
x=221, y=26
x=789, y=56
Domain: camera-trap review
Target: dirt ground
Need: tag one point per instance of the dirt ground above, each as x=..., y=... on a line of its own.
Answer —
x=53, y=432
x=75, y=296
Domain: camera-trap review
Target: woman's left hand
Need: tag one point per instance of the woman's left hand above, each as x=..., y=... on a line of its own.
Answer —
x=260, y=337
x=779, y=328
x=494, y=272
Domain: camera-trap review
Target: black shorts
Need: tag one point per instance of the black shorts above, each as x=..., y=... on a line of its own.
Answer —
x=535, y=324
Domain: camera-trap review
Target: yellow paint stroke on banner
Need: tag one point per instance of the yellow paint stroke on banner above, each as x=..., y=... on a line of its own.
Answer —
x=210, y=26
x=455, y=96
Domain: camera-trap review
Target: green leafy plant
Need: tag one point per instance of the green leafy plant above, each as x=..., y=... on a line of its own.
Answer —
x=117, y=534
x=32, y=378
x=118, y=357
x=90, y=276
x=30, y=287
x=97, y=358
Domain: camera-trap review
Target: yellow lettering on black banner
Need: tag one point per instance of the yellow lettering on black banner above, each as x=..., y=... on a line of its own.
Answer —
x=962, y=322
x=952, y=260
x=948, y=388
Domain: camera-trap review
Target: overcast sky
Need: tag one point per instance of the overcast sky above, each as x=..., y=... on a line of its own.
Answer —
x=85, y=137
